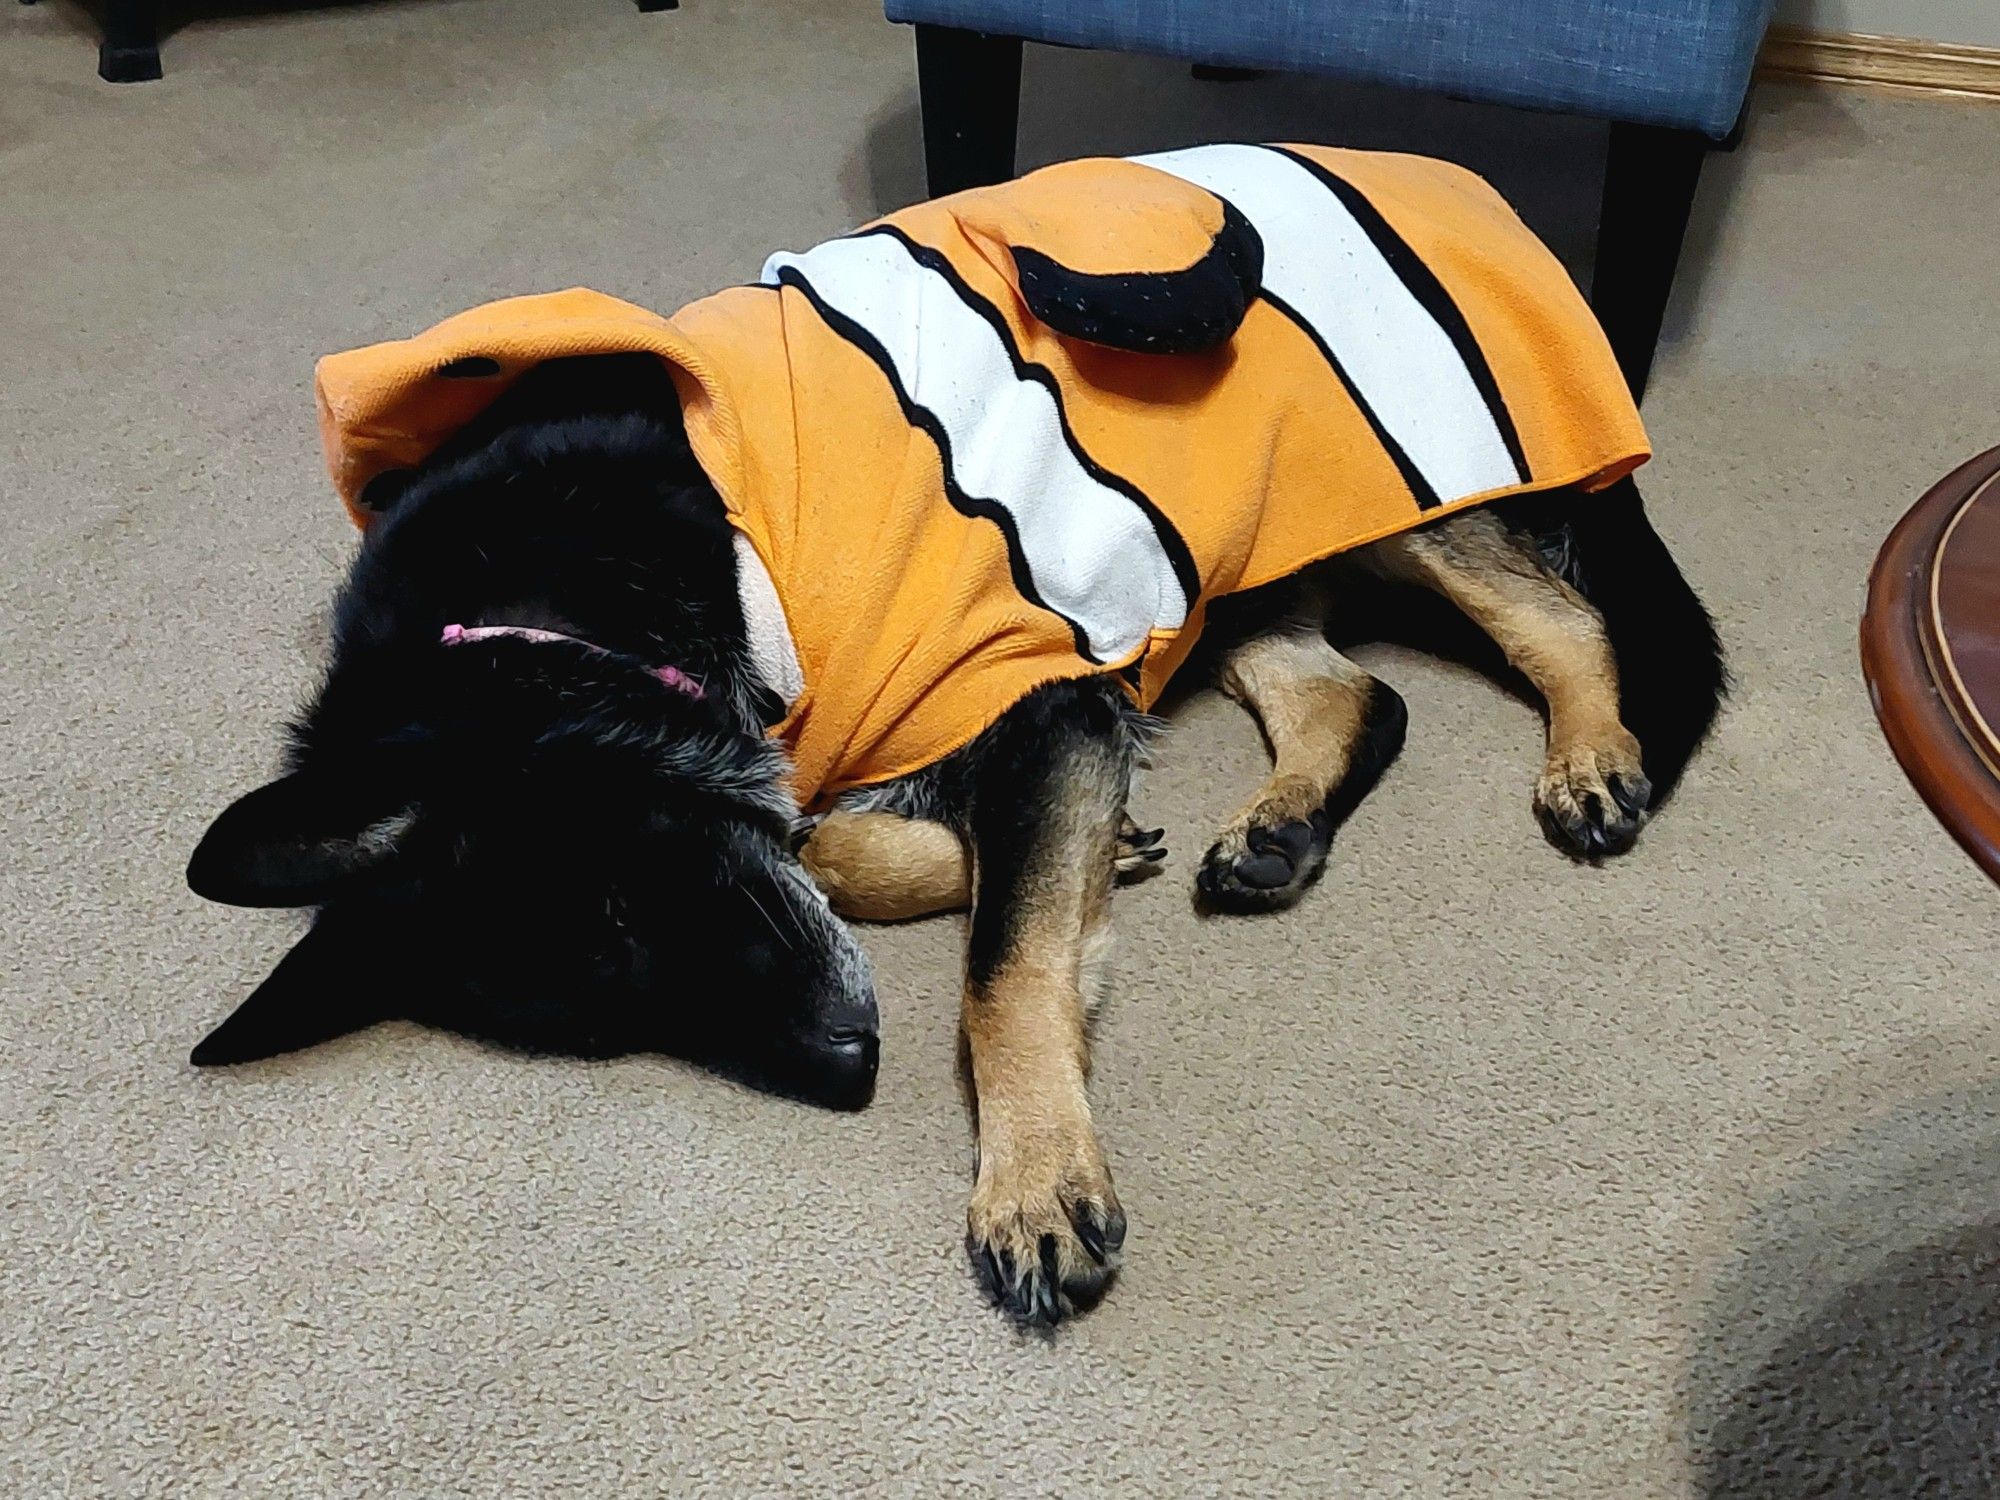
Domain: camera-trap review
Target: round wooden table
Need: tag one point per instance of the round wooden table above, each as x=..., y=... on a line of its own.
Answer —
x=1930, y=646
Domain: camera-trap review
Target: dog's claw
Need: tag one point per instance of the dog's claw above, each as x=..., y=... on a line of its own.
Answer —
x=1633, y=794
x=986, y=1266
x=1139, y=849
x=1048, y=1254
x=1091, y=1236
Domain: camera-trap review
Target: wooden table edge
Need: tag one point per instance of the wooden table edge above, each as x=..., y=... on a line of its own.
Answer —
x=1907, y=681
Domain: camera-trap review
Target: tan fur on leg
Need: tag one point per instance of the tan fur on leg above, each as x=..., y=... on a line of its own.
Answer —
x=1044, y=1225
x=1592, y=790
x=883, y=867
x=1043, y=1217
x=1312, y=703
x=1317, y=710
x=880, y=867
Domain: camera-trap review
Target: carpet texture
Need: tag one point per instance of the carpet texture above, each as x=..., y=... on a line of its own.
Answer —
x=1479, y=1174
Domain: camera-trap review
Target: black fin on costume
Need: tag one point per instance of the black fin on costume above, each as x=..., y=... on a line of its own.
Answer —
x=1151, y=312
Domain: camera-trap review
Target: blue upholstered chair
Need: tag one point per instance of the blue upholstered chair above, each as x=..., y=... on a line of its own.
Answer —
x=1670, y=75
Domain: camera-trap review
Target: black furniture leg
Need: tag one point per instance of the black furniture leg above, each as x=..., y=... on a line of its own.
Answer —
x=1650, y=174
x=970, y=85
x=130, y=52
x=652, y=5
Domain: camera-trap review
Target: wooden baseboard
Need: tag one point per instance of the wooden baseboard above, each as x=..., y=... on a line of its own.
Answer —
x=1896, y=62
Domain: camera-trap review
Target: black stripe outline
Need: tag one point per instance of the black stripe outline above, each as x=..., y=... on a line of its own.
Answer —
x=1178, y=555
x=1420, y=487
x=1431, y=295
x=925, y=421
x=1171, y=542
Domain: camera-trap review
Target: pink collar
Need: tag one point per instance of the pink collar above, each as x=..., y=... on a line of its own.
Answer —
x=458, y=635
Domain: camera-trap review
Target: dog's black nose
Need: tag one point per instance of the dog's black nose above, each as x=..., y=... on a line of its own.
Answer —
x=852, y=1051
x=845, y=1031
x=840, y=1067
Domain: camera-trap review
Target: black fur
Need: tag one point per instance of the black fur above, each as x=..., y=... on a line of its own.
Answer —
x=1671, y=673
x=1382, y=734
x=1059, y=744
x=543, y=843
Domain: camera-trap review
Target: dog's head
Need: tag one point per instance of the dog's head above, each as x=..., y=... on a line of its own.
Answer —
x=536, y=841
x=553, y=852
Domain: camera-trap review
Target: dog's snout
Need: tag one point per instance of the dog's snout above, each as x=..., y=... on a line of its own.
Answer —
x=839, y=1066
x=859, y=1054
x=844, y=1050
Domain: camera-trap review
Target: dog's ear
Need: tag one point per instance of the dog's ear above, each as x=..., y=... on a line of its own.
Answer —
x=316, y=993
x=301, y=840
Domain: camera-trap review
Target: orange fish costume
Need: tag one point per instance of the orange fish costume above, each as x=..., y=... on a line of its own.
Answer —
x=1026, y=432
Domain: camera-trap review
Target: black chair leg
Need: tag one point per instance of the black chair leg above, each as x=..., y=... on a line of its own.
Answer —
x=1650, y=174
x=130, y=52
x=970, y=85
x=652, y=5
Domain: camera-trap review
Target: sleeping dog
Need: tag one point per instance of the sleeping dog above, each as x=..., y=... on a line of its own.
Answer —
x=848, y=592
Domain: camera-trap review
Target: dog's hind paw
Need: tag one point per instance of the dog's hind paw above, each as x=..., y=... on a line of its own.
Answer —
x=1592, y=796
x=1264, y=867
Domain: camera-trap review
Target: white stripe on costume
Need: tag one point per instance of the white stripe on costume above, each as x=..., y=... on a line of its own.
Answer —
x=1092, y=553
x=1323, y=265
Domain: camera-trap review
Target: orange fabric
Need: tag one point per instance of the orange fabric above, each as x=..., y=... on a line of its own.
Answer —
x=1158, y=224
x=911, y=634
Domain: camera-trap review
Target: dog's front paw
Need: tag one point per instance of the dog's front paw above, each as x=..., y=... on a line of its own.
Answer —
x=1044, y=1229
x=1593, y=796
x=1264, y=866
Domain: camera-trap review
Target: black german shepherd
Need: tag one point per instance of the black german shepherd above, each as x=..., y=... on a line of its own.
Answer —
x=531, y=836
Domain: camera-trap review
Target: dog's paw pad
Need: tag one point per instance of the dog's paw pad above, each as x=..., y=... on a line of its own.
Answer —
x=1264, y=868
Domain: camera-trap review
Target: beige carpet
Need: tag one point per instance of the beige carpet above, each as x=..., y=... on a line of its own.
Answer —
x=1479, y=1175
